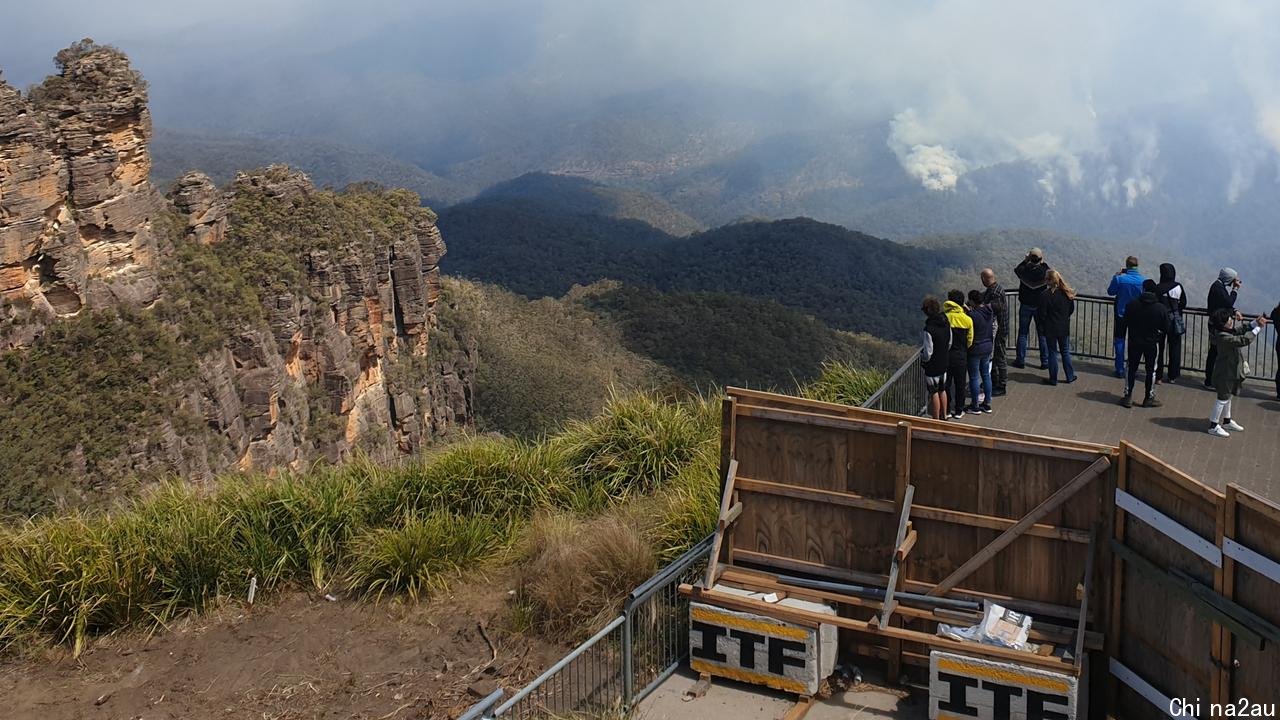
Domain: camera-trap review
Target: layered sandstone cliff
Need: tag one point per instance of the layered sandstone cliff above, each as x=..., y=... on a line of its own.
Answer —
x=333, y=344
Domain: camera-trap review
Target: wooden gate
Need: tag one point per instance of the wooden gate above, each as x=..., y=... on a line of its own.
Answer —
x=1196, y=594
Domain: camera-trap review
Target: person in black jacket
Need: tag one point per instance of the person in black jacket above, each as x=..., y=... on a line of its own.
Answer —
x=1148, y=321
x=1275, y=316
x=935, y=346
x=1174, y=297
x=1032, y=273
x=1054, y=316
x=1222, y=296
x=995, y=297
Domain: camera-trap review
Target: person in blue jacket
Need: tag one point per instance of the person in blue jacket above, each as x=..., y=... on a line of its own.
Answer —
x=1125, y=287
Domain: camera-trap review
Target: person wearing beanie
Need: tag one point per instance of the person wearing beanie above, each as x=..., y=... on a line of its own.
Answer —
x=1230, y=335
x=1148, y=321
x=1125, y=287
x=1031, y=274
x=1222, y=296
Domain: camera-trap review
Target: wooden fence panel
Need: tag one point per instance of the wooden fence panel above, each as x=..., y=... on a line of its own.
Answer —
x=1161, y=636
x=1257, y=527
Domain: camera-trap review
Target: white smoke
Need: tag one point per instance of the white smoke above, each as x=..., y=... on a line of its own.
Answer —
x=935, y=166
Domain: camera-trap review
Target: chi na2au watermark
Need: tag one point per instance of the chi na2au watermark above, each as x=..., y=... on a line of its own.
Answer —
x=1243, y=707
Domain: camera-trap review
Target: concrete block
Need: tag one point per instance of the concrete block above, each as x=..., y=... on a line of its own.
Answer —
x=967, y=688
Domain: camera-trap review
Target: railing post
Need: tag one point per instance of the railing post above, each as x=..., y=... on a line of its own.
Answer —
x=628, y=663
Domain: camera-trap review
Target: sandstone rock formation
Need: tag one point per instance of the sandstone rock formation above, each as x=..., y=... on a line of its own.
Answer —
x=342, y=351
x=76, y=208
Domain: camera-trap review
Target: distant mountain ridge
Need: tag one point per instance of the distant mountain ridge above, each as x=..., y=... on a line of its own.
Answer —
x=580, y=195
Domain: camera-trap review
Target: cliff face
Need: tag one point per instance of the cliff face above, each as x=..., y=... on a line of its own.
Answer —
x=76, y=210
x=308, y=315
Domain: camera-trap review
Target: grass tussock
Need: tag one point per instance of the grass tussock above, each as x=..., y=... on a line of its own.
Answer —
x=574, y=572
x=417, y=556
x=845, y=384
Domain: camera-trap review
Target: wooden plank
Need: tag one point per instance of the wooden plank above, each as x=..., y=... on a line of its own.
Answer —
x=1115, y=614
x=990, y=522
x=1220, y=684
x=1084, y=607
x=1198, y=602
x=1174, y=475
x=760, y=581
x=955, y=517
x=1140, y=686
x=1255, y=561
x=788, y=614
x=725, y=498
x=800, y=709
x=903, y=493
x=1226, y=584
x=894, y=567
x=1171, y=528
x=833, y=497
x=905, y=548
x=1033, y=607
x=1257, y=504
x=758, y=397
x=1060, y=496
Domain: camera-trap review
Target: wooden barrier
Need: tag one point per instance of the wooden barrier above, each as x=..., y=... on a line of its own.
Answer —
x=1074, y=533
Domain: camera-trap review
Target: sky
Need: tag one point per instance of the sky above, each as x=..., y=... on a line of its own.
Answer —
x=1084, y=90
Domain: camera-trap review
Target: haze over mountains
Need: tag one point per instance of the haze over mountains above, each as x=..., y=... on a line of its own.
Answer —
x=1139, y=122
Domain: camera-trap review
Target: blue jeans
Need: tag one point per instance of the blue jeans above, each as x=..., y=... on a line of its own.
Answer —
x=979, y=367
x=1026, y=315
x=1060, y=346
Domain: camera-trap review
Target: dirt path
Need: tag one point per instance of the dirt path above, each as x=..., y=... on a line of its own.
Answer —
x=300, y=657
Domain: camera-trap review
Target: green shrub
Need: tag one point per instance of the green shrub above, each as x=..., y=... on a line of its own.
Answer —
x=845, y=384
x=416, y=556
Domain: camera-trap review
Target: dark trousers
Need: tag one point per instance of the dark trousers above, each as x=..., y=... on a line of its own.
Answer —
x=1209, y=362
x=1141, y=352
x=999, y=367
x=1278, y=370
x=1171, y=370
x=957, y=381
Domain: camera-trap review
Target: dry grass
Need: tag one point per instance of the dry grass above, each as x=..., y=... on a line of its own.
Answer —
x=574, y=573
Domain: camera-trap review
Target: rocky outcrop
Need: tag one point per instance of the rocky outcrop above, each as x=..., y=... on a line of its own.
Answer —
x=76, y=208
x=341, y=351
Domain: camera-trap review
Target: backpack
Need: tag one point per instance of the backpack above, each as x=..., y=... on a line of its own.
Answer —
x=1177, y=323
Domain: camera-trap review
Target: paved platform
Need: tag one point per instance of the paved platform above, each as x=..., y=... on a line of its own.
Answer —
x=1089, y=410
x=727, y=700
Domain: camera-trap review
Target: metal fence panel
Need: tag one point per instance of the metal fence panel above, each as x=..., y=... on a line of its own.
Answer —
x=904, y=392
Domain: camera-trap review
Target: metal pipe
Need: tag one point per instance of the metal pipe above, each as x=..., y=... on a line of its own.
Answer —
x=476, y=712
x=877, y=593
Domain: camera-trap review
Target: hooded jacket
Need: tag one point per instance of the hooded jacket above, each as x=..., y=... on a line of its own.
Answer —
x=1125, y=288
x=1170, y=291
x=984, y=330
x=1054, y=314
x=1031, y=278
x=936, y=344
x=1228, y=370
x=961, y=330
x=1148, y=319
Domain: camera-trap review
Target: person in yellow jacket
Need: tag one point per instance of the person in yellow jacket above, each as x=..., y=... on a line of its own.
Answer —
x=958, y=356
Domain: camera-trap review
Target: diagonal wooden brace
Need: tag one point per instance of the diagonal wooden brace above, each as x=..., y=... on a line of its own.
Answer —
x=903, y=523
x=729, y=512
x=1050, y=504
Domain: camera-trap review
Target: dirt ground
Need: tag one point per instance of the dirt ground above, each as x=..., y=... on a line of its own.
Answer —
x=300, y=656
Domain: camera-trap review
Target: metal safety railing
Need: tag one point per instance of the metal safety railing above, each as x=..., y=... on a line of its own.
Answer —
x=622, y=663
x=1092, y=331
x=904, y=391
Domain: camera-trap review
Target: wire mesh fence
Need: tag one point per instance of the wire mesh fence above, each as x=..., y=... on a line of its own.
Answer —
x=623, y=662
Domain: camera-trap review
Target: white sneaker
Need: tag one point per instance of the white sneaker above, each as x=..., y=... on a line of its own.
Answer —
x=1233, y=425
x=1217, y=430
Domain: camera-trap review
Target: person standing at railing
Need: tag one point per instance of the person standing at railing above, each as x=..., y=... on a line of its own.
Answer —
x=1148, y=320
x=1031, y=273
x=1054, y=316
x=1222, y=296
x=1125, y=287
x=999, y=302
x=984, y=333
x=1174, y=297
x=934, y=351
x=958, y=357
x=1230, y=335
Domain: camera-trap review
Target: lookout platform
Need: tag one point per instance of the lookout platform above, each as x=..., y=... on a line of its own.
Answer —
x=1089, y=410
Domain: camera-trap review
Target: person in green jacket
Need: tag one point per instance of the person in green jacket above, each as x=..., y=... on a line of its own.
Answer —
x=1230, y=334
